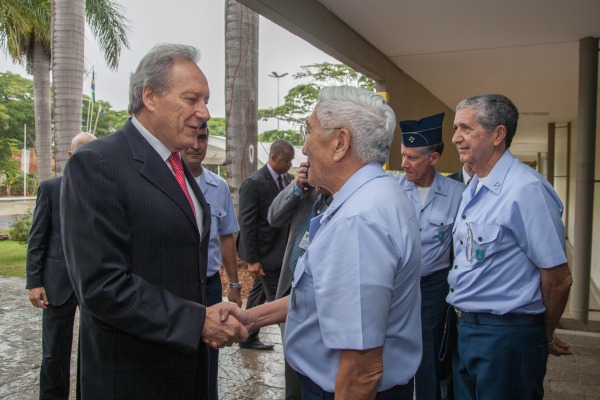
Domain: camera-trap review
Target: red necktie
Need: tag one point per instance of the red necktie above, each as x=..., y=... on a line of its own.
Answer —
x=180, y=176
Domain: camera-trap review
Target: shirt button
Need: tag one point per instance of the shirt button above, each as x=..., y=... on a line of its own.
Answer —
x=464, y=217
x=461, y=242
x=452, y=290
x=480, y=238
x=456, y=266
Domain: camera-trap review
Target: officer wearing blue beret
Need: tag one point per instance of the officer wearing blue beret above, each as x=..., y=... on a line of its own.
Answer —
x=435, y=199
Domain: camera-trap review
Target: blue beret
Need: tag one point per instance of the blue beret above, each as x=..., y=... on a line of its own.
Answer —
x=424, y=132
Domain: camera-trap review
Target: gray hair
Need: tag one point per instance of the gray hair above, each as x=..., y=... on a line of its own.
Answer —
x=493, y=110
x=370, y=120
x=153, y=71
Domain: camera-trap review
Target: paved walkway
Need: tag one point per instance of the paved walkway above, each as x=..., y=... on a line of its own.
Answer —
x=248, y=374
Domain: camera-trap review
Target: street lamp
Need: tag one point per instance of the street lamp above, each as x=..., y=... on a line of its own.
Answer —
x=277, y=76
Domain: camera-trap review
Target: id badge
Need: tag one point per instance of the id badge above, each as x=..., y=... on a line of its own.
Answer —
x=304, y=242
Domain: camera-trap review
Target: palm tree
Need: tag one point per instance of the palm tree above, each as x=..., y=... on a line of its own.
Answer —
x=25, y=37
x=106, y=20
x=241, y=94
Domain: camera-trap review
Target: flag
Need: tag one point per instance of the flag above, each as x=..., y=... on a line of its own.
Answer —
x=101, y=111
x=93, y=87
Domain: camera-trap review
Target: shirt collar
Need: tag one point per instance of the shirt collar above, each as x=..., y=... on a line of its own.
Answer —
x=156, y=144
x=274, y=174
x=497, y=175
x=359, y=178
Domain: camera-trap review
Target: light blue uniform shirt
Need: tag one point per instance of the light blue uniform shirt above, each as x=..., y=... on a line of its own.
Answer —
x=357, y=285
x=503, y=233
x=223, y=219
x=436, y=218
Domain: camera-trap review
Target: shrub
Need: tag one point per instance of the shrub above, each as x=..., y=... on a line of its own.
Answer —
x=20, y=227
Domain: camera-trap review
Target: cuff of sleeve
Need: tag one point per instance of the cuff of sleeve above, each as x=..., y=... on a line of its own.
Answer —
x=297, y=191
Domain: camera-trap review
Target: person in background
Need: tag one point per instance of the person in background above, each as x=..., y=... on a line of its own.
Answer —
x=354, y=305
x=259, y=244
x=510, y=280
x=295, y=206
x=221, y=245
x=49, y=285
x=435, y=199
x=135, y=230
x=464, y=175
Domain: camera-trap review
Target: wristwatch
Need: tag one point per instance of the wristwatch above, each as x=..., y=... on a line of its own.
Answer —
x=235, y=285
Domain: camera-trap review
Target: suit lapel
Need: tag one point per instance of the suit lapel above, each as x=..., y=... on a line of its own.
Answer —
x=271, y=182
x=203, y=204
x=155, y=170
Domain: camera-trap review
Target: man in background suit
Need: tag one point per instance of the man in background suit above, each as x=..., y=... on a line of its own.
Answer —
x=49, y=285
x=464, y=175
x=295, y=206
x=259, y=244
x=136, y=227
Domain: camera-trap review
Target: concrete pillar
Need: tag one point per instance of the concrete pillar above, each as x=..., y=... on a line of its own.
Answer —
x=551, y=153
x=584, y=177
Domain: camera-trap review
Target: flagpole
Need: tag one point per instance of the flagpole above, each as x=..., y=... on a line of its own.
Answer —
x=87, y=122
x=26, y=164
x=97, y=116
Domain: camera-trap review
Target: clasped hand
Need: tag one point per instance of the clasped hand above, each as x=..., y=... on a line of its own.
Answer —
x=232, y=325
x=220, y=329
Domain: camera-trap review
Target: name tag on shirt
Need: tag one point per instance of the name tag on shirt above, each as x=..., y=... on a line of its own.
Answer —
x=305, y=241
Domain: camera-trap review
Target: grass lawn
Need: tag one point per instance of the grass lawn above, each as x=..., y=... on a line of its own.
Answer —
x=12, y=258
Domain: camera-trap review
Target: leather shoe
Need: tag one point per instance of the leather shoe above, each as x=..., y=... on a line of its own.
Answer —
x=256, y=345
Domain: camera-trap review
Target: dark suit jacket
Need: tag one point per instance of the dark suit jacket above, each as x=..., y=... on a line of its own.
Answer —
x=258, y=240
x=138, y=267
x=288, y=209
x=457, y=176
x=45, y=259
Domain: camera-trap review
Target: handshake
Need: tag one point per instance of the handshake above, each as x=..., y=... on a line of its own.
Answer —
x=225, y=324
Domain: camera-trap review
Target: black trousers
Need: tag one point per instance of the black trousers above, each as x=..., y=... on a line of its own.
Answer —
x=57, y=340
x=263, y=290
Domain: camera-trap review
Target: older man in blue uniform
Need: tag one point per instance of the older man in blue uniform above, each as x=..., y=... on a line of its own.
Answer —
x=435, y=199
x=353, y=326
x=510, y=280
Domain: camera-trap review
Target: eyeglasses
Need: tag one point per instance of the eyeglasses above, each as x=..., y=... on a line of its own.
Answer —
x=304, y=132
x=202, y=138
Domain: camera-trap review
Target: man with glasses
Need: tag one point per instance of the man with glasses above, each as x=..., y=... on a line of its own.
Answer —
x=510, y=280
x=435, y=199
x=354, y=305
x=221, y=245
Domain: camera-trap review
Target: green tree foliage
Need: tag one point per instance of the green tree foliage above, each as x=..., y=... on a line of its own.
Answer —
x=290, y=135
x=103, y=118
x=20, y=227
x=300, y=100
x=16, y=107
x=216, y=126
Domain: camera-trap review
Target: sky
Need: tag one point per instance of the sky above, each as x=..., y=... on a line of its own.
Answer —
x=200, y=23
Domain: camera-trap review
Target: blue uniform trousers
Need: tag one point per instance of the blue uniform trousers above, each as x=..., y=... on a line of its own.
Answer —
x=312, y=391
x=499, y=357
x=214, y=295
x=434, y=289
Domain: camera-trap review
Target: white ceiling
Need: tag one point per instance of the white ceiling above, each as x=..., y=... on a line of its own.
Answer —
x=527, y=50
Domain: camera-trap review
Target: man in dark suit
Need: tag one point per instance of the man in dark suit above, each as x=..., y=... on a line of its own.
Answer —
x=49, y=286
x=295, y=206
x=464, y=175
x=135, y=227
x=259, y=244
